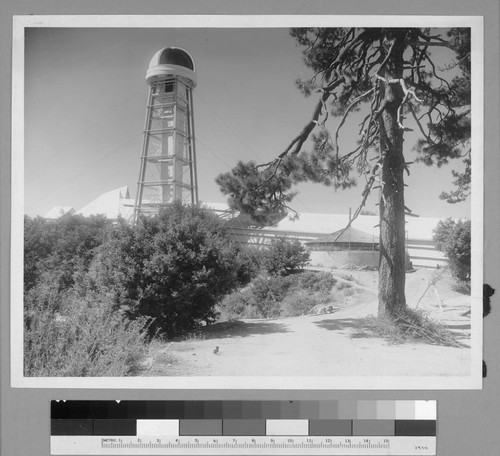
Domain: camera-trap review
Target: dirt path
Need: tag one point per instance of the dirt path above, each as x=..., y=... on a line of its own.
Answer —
x=335, y=344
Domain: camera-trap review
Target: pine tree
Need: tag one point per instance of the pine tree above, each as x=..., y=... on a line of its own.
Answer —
x=387, y=74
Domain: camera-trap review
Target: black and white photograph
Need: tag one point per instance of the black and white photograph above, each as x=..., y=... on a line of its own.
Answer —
x=247, y=202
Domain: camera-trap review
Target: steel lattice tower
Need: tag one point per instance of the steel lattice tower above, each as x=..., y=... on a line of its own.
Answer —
x=168, y=160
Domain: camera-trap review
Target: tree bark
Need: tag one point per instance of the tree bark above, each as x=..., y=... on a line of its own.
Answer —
x=392, y=214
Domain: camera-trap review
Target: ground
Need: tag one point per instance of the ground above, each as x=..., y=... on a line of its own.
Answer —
x=335, y=343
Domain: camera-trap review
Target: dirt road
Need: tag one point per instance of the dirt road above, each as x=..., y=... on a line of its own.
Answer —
x=332, y=344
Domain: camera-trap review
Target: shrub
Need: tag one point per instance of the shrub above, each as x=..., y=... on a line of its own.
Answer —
x=247, y=264
x=173, y=267
x=277, y=296
x=342, y=285
x=299, y=303
x=58, y=250
x=284, y=257
x=268, y=292
x=85, y=338
x=240, y=304
x=454, y=239
x=320, y=282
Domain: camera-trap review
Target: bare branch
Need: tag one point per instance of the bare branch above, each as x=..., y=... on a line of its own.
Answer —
x=430, y=43
x=432, y=37
x=389, y=52
x=454, y=65
x=442, y=80
x=407, y=91
x=365, y=194
x=421, y=128
x=344, y=117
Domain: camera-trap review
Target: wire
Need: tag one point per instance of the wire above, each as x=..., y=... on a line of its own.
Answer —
x=227, y=125
x=298, y=199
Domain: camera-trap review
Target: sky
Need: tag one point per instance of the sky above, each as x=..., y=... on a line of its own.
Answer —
x=85, y=103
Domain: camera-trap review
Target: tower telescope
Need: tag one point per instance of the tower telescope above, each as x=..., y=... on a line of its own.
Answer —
x=168, y=159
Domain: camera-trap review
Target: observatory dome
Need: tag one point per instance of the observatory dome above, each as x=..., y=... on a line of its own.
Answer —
x=171, y=62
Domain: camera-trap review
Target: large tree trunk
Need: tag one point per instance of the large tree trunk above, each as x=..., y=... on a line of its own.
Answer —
x=392, y=216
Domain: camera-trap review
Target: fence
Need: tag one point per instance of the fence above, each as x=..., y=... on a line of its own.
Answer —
x=422, y=253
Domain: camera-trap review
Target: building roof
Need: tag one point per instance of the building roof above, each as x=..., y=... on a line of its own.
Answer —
x=59, y=211
x=117, y=203
x=349, y=235
x=171, y=62
x=109, y=204
x=173, y=56
x=314, y=225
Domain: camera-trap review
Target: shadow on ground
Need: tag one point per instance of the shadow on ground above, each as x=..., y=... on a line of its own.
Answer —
x=358, y=327
x=238, y=329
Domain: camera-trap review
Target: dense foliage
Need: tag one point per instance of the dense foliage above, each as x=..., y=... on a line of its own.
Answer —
x=68, y=332
x=454, y=239
x=460, y=41
x=281, y=296
x=57, y=251
x=283, y=256
x=172, y=268
x=73, y=336
x=95, y=292
x=248, y=264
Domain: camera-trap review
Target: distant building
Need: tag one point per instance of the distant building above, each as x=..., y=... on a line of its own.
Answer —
x=309, y=227
x=113, y=204
x=59, y=211
x=345, y=247
x=345, y=239
x=316, y=231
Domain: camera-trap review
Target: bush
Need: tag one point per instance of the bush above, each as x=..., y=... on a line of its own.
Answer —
x=268, y=292
x=454, y=239
x=240, y=304
x=173, y=267
x=277, y=296
x=247, y=264
x=284, y=257
x=318, y=282
x=343, y=285
x=59, y=250
x=79, y=337
x=299, y=303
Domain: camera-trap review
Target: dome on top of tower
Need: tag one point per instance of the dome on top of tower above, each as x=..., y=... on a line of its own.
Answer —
x=175, y=56
x=171, y=61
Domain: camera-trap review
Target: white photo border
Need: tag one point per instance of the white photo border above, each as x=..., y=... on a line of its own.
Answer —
x=20, y=23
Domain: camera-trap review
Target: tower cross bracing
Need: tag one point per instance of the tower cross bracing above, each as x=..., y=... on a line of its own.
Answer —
x=168, y=159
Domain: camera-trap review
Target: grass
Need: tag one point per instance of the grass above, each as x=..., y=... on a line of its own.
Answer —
x=161, y=353
x=410, y=326
x=85, y=339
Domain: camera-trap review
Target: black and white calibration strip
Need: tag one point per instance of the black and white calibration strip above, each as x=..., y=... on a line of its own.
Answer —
x=243, y=427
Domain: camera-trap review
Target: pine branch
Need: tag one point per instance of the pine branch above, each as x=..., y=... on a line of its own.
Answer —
x=346, y=114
